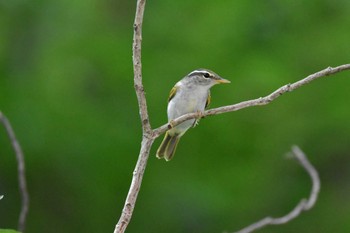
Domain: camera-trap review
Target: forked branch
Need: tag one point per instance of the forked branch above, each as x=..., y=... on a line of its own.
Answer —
x=149, y=134
x=147, y=140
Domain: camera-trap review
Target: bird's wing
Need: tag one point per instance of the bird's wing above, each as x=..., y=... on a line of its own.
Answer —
x=207, y=103
x=172, y=93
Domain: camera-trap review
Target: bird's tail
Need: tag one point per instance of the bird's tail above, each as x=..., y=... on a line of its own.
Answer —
x=167, y=149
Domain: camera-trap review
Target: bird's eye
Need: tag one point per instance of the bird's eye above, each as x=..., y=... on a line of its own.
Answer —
x=206, y=75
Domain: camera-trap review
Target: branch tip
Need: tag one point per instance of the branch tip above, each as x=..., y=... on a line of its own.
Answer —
x=261, y=100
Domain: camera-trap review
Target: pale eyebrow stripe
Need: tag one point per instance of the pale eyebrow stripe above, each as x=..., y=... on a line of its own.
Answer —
x=198, y=71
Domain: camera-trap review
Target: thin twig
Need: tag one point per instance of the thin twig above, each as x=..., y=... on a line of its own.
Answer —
x=304, y=204
x=21, y=171
x=255, y=102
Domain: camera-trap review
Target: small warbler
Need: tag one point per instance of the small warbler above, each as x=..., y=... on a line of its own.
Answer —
x=190, y=94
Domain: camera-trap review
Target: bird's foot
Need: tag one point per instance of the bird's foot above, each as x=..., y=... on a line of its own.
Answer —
x=198, y=117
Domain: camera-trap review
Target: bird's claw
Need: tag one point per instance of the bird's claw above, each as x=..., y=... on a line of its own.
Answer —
x=200, y=115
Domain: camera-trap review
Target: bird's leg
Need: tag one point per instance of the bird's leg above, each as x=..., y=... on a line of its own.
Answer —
x=200, y=114
x=198, y=117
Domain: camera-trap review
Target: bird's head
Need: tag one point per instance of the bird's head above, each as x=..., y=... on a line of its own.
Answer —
x=205, y=77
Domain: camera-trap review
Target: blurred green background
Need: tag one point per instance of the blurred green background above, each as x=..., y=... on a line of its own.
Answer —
x=66, y=84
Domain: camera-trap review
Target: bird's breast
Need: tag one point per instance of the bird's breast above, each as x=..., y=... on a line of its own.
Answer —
x=187, y=101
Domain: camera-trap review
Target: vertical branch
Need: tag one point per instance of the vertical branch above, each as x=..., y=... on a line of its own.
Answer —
x=136, y=48
x=147, y=137
x=21, y=171
x=135, y=186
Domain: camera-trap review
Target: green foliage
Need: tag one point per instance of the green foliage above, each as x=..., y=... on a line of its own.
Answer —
x=66, y=85
x=8, y=231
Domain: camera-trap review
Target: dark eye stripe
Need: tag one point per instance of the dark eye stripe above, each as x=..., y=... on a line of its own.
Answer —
x=206, y=75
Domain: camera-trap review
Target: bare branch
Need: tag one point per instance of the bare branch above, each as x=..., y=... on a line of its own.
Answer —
x=140, y=8
x=147, y=139
x=255, y=102
x=135, y=186
x=21, y=171
x=304, y=204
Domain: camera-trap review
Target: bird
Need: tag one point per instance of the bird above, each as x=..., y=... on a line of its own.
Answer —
x=191, y=94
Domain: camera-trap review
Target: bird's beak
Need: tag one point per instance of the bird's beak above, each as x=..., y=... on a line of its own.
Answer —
x=222, y=80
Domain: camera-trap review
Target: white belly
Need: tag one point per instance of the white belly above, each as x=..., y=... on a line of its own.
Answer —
x=186, y=102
